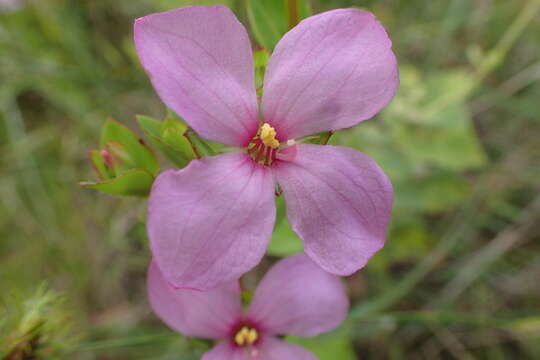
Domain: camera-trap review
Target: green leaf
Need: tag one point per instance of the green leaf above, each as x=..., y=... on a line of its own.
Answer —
x=149, y=125
x=167, y=138
x=203, y=148
x=454, y=147
x=121, y=160
x=331, y=346
x=137, y=153
x=176, y=139
x=173, y=121
x=433, y=194
x=269, y=19
x=430, y=122
x=284, y=240
x=97, y=158
x=135, y=182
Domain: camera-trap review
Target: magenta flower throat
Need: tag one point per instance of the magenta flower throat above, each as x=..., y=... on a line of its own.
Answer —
x=211, y=222
x=294, y=298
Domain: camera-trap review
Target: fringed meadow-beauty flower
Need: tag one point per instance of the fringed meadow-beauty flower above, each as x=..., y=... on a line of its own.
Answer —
x=295, y=297
x=211, y=222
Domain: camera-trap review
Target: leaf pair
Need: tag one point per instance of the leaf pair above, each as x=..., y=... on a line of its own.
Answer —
x=126, y=165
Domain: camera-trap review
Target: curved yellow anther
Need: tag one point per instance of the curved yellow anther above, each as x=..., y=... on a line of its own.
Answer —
x=252, y=336
x=268, y=136
x=246, y=336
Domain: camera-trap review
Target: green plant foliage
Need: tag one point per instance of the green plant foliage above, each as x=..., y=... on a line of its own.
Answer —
x=168, y=137
x=457, y=277
x=126, y=149
x=98, y=159
x=134, y=182
x=329, y=346
x=431, y=123
x=284, y=240
x=269, y=19
x=126, y=165
x=38, y=329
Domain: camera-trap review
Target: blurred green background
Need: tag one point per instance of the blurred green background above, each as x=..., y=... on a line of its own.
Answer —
x=459, y=275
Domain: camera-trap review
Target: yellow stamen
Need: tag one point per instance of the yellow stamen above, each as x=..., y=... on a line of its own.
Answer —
x=252, y=336
x=246, y=336
x=268, y=136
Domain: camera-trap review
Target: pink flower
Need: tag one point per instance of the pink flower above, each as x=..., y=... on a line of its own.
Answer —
x=10, y=5
x=295, y=297
x=211, y=222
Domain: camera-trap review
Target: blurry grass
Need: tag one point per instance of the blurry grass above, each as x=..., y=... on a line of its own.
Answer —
x=453, y=281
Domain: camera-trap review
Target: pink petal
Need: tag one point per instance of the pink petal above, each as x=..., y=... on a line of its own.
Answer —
x=193, y=313
x=273, y=349
x=210, y=222
x=332, y=71
x=226, y=351
x=339, y=202
x=200, y=62
x=297, y=297
x=267, y=349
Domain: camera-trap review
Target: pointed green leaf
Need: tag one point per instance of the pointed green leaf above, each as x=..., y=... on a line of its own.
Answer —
x=169, y=141
x=135, y=182
x=97, y=158
x=141, y=155
x=121, y=160
x=203, y=148
x=171, y=115
x=176, y=139
x=174, y=123
x=149, y=125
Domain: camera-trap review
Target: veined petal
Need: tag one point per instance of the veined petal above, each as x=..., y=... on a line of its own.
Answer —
x=297, y=297
x=268, y=348
x=273, y=349
x=331, y=71
x=339, y=202
x=224, y=351
x=200, y=62
x=194, y=313
x=211, y=222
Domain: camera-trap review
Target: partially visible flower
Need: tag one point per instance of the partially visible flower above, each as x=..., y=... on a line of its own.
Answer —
x=10, y=5
x=211, y=222
x=295, y=297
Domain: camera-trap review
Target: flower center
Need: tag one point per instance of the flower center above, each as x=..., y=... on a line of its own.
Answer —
x=268, y=136
x=264, y=145
x=246, y=336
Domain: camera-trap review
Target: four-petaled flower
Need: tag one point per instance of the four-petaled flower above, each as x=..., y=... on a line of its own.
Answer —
x=211, y=222
x=295, y=297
